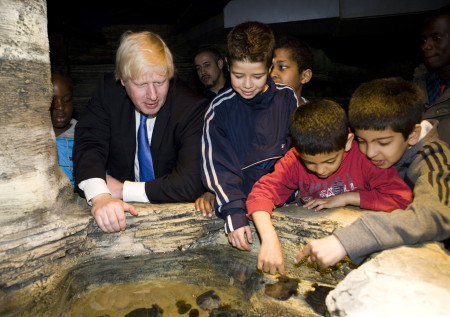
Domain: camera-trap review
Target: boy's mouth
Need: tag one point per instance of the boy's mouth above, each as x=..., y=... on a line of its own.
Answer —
x=377, y=162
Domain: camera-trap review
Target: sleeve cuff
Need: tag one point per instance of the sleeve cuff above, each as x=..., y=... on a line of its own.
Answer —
x=134, y=191
x=93, y=187
x=235, y=221
x=258, y=205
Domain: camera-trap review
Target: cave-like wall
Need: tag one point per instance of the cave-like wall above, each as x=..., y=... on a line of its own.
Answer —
x=30, y=180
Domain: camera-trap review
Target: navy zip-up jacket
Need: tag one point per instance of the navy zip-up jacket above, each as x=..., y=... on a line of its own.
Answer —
x=242, y=140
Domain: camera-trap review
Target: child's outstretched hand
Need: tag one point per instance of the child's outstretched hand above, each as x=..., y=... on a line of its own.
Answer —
x=238, y=238
x=325, y=252
x=270, y=257
x=341, y=200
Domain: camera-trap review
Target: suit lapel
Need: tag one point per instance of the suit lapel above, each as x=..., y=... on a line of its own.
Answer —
x=162, y=120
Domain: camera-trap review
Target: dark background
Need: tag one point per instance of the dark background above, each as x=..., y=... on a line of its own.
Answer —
x=84, y=37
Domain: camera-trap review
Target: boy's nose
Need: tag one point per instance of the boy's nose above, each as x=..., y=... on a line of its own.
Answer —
x=273, y=74
x=247, y=83
x=371, y=151
x=57, y=104
x=321, y=170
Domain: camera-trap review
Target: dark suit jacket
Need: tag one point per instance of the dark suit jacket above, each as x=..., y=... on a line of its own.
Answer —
x=105, y=140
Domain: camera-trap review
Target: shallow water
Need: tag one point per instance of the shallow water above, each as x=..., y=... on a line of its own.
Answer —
x=117, y=300
x=115, y=287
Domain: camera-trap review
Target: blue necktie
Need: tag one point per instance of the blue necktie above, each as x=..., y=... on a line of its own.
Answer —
x=144, y=153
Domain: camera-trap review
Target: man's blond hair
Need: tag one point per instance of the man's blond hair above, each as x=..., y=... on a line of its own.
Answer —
x=142, y=52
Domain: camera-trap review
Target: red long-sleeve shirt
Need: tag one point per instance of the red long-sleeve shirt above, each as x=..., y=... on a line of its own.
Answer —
x=380, y=189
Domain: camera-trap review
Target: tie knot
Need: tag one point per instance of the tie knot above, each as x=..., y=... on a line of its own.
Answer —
x=143, y=119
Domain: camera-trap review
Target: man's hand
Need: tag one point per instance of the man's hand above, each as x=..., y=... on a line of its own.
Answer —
x=237, y=238
x=205, y=204
x=109, y=213
x=325, y=252
x=114, y=186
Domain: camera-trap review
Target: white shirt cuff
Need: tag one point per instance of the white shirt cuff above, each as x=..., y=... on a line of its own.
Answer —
x=134, y=191
x=93, y=187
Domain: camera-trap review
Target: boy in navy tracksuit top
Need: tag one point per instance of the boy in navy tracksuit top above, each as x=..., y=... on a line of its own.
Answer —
x=246, y=128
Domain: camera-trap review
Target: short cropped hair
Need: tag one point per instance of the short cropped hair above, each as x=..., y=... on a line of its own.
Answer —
x=141, y=52
x=63, y=76
x=300, y=51
x=386, y=102
x=209, y=49
x=251, y=42
x=319, y=127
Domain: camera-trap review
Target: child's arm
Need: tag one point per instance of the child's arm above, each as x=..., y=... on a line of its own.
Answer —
x=325, y=252
x=270, y=258
x=221, y=170
x=341, y=200
x=427, y=218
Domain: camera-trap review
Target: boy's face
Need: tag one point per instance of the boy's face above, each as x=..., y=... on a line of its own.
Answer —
x=385, y=148
x=248, y=79
x=62, y=104
x=323, y=165
x=285, y=69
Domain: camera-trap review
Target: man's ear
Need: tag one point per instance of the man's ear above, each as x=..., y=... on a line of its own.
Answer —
x=414, y=136
x=348, y=144
x=220, y=64
x=122, y=82
x=306, y=76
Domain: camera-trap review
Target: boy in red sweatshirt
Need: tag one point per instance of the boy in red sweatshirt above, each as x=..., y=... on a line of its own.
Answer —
x=328, y=170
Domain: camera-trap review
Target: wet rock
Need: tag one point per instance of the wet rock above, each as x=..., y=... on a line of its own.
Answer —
x=240, y=272
x=208, y=300
x=283, y=289
x=316, y=298
x=226, y=312
x=155, y=311
x=253, y=283
x=183, y=307
x=194, y=313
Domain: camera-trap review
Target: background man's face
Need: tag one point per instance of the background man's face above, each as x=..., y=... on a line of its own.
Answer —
x=436, y=43
x=208, y=70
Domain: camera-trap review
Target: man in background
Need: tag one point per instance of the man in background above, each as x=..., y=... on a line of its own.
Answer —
x=209, y=65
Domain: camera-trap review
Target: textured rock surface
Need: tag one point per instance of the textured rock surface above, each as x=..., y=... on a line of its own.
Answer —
x=406, y=281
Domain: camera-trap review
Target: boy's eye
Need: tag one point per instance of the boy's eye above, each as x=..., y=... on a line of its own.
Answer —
x=282, y=67
x=360, y=141
x=384, y=143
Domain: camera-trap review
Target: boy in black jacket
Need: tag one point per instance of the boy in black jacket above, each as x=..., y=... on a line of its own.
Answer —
x=246, y=129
